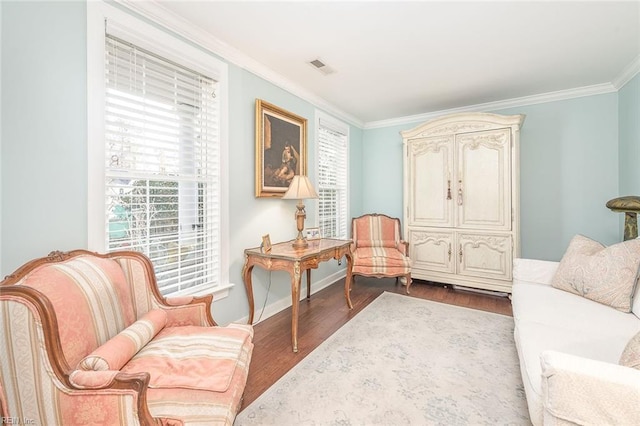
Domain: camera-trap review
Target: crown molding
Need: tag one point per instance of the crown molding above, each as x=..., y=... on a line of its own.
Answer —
x=493, y=106
x=159, y=15
x=627, y=74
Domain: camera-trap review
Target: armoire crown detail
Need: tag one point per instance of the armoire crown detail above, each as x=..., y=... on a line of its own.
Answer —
x=461, y=199
x=434, y=145
x=475, y=141
x=455, y=128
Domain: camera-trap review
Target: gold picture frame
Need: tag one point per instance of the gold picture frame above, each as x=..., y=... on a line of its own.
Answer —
x=281, y=149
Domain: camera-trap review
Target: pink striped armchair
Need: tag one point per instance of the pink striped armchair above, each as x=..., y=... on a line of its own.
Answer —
x=378, y=249
x=88, y=339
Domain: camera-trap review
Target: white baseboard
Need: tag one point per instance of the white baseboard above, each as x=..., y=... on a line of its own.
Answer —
x=285, y=302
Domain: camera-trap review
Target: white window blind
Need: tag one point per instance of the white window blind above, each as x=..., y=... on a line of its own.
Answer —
x=162, y=166
x=332, y=180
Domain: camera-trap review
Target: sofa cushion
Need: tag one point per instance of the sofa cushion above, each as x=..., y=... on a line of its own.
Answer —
x=203, y=407
x=120, y=349
x=631, y=355
x=605, y=275
x=380, y=256
x=380, y=260
x=555, y=308
x=192, y=357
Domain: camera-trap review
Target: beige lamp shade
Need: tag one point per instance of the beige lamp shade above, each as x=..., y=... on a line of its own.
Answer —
x=300, y=189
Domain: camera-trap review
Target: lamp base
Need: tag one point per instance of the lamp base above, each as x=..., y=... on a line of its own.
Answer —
x=300, y=243
x=630, y=225
x=301, y=214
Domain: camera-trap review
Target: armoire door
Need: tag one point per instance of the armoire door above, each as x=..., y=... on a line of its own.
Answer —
x=432, y=250
x=484, y=255
x=430, y=162
x=483, y=181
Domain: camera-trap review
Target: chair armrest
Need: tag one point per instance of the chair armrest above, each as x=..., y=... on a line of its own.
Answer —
x=90, y=379
x=105, y=379
x=578, y=390
x=534, y=271
x=109, y=390
x=403, y=247
x=188, y=310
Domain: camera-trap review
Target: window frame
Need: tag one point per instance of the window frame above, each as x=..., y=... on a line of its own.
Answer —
x=323, y=119
x=163, y=43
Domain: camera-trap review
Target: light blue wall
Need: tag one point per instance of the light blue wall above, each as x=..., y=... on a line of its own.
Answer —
x=569, y=169
x=382, y=166
x=44, y=152
x=44, y=131
x=629, y=125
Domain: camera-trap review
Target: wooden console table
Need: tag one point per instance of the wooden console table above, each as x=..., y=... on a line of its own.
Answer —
x=283, y=257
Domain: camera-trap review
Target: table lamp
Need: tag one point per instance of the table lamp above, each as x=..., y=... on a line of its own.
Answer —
x=300, y=189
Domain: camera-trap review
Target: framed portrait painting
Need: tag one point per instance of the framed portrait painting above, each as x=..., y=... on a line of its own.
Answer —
x=281, y=149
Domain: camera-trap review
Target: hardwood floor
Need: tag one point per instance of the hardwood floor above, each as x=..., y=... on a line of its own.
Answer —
x=326, y=312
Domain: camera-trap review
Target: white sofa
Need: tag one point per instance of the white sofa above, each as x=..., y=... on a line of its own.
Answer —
x=569, y=348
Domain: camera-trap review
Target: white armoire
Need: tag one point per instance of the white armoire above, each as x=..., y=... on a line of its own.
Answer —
x=461, y=199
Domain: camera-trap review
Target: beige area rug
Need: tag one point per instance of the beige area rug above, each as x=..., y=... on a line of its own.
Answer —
x=403, y=361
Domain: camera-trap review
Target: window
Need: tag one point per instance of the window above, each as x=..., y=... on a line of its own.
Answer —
x=161, y=168
x=333, y=159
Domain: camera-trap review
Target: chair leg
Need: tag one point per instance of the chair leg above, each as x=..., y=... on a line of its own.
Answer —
x=408, y=278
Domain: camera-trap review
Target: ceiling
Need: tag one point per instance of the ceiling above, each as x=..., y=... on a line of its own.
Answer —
x=398, y=59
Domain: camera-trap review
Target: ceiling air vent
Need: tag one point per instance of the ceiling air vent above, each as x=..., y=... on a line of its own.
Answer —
x=321, y=66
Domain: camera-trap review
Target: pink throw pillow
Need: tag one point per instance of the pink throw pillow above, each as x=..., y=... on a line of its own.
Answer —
x=117, y=351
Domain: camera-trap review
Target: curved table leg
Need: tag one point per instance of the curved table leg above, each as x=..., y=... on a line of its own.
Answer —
x=248, y=285
x=295, y=303
x=348, y=279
